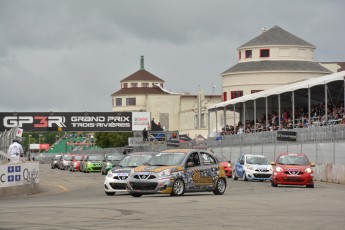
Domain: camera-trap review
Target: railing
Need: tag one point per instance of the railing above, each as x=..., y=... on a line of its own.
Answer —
x=304, y=135
x=6, y=139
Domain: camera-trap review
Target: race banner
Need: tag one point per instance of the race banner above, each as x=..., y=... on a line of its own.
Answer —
x=78, y=121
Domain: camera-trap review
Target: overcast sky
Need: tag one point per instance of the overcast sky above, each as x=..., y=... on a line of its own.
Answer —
x=70, y=55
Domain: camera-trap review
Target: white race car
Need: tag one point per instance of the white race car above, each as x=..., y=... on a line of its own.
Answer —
x=252, y=167
x=116, y=179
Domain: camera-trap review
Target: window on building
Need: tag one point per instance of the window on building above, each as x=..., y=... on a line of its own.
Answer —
x=125, y=85
x=131, y=101
x=236, y=94
x=118, y=102
x=145, y=85
x=248, y=53
x=239, y=55
x=225, y=98
x=203, y=125
x=255, y=91
x=264, y=53
x=134, y=85
x=196, y=121
x=161, y=85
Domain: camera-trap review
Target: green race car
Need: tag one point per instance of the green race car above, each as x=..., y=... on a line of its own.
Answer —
x=93, y=163
x=110, y=161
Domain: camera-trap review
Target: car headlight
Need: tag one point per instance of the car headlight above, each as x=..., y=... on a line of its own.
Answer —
x=270, y=168
x=108, y=164
x=89, y=163
x=250, y=167
x=308, y=170
x=229, y=165
x=279, y=169
x=110, y=173
x=164, y=173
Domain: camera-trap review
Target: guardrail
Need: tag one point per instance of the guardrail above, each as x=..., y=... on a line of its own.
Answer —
x=6, y=139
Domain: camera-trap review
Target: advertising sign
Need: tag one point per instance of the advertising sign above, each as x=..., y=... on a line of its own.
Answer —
x=19, y=174
x=286, y=136
x=80, y=121
x=141, y=120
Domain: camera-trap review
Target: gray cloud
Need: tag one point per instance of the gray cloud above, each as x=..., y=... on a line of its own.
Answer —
x=70, y=55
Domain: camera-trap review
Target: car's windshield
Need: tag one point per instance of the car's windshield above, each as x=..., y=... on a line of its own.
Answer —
x=78, y=158
x=67, y=157
x=116, y=157
x=257, y=160
x=168, y=159
x=134, y=160
x=96, y=158
x=221, y=158
x=293, y=160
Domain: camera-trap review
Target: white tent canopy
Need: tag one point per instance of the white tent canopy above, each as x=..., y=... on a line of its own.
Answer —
x=282, y=89
x=315, y=90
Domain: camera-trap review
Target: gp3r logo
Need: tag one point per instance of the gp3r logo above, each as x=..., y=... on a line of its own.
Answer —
x=38, y=121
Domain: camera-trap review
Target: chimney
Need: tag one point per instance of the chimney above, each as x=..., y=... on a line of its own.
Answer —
x=142, y=63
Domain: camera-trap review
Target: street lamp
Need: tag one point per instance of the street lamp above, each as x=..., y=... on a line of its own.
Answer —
x=39, y=143
x=92, y=141
x=28, y=155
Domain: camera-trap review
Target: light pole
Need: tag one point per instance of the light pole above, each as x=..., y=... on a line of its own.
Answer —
x=39, y=143
x=28, y=155
x=92, y=141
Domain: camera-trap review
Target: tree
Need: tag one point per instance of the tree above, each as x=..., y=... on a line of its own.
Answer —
x=112, y=139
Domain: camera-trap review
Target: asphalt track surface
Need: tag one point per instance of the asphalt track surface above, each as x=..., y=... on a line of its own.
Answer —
x=77, y=201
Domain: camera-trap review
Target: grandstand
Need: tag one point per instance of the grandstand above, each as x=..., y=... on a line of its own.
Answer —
x=70, y=143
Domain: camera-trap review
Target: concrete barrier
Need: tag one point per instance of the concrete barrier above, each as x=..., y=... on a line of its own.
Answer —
x=334, y=173
x=21, y=178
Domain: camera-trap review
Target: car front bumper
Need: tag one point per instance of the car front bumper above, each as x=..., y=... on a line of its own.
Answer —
x=258, y=175
x=285, y=179
x=116, y=183
x=148, y=186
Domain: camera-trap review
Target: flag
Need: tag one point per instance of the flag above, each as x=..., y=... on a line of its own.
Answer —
x=19, y=132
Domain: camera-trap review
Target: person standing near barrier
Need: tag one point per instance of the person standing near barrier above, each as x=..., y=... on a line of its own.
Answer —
x=15, y=150
x=145, y=134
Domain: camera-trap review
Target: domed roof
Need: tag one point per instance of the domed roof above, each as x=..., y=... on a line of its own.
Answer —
x=276, y=36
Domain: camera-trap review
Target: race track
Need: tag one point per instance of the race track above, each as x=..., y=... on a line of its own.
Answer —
x=73, y=200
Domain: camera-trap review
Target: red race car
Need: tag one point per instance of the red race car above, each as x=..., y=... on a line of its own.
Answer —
x=226, y=164
x=293, y=169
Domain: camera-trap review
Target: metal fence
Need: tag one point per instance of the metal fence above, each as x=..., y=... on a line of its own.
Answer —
x=323, y=144
x=6, y=139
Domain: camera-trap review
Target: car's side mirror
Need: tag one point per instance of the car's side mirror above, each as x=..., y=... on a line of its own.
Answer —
x=273, y=163
x=312, y=165
x=190, y=164
x=229, y=161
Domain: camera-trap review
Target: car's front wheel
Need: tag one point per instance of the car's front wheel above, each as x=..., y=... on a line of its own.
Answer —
x=273, y=184
x=310, y=185
x=245, y=176
x=234, y=175
x=220, y=187
x=110, y=193
x=178, y=188
x=135, y=194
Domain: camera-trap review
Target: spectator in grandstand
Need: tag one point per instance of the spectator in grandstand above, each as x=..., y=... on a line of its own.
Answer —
x=15, y=150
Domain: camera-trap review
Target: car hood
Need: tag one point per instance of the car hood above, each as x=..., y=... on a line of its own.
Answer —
x=293, y=168
x=121, y=170
x=225, y=164
x=146, y=168
x=256, y=166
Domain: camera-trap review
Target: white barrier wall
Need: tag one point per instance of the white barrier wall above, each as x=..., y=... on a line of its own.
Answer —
x=19, y=178
x=330, y=173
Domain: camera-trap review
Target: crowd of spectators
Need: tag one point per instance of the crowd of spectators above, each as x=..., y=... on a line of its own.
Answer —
x=335, y=115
